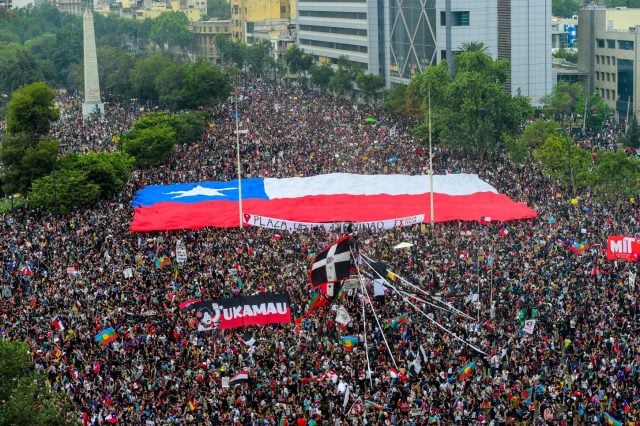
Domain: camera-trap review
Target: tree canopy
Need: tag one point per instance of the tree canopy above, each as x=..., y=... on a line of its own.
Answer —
x=471, y=111
x=31, y=110
x=26, y=399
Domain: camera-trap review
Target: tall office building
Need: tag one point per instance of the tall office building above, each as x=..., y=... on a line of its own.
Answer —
x=399, y=38
x=425, y=32
x=329, y=29
x=608, y=49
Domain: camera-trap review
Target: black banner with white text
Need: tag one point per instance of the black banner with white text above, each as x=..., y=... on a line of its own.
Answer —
x=243, y=311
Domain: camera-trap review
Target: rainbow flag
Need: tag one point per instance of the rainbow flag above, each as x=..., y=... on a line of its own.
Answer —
x=578, y=248
x=192, y=404
x=163, y=261
x=433, y=419
x=611, y=421
x=106, y=336
x=349, y=342
x=317, y=301
x=467, y=370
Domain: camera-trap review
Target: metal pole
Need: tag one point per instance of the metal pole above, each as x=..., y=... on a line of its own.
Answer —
x=430, y=164
x=238, y=160
x=626, y=121
x=584, y=118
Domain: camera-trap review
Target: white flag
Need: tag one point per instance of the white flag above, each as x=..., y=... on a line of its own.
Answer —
x=342, y=316
x=128, y=273
x=529, y=326
x=393, y=131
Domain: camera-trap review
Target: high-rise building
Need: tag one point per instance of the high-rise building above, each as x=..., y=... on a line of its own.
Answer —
x=399, y=38
x=246, y=12
x=329, y=29
x=608, y=51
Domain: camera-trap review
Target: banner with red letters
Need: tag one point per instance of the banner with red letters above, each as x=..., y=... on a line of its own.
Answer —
x=623, y=248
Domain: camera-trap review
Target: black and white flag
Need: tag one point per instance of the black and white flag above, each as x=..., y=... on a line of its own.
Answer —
x=332, y=264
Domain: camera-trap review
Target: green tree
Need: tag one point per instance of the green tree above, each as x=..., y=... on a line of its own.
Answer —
x=597, y=112
x=169, y=85
x=172, y=29
x=231, y=51
x=220, y=9
x=616, y=173
x=564, y=160
x=109, y=170
x=536, y=133
x=471, y=110
x=370, y=84
x=258, y=55
x=14, y=363
x=204, y=84
x=298, y=61
x=21, y=69
x=321, y=76
x=63, y=190
x=114, y=65
x=345, y=76
x=190, y=126
x=565, y=8
x=565, y=98
x=25, y=397
x=144, y=75
x=394, y=98
x=473, y=46
x=31, y=110
x=563, y=53
x=150, y=144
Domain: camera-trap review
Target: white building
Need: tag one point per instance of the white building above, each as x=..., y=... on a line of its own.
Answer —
x=399, y=38
x=516, y=30
x=328, y=29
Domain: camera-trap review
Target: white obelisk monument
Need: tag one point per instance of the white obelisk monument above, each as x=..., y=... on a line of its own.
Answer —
x=92, y=102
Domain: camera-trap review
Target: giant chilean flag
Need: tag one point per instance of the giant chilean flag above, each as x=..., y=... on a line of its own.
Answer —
x=336, y=197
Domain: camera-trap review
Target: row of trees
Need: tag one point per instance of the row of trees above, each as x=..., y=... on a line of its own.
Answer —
x=342, y=80
x=604, y=172
x=43, y=44
x=31, y=164
x=470, y=112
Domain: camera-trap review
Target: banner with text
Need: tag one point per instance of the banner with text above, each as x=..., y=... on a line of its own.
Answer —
x=623, y=248
x=242, y=311
x=288, y=225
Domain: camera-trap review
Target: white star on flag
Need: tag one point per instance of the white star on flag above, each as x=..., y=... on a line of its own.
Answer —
x=200, y=190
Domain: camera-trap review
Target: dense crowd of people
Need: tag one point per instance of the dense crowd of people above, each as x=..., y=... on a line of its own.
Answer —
x=87, y=271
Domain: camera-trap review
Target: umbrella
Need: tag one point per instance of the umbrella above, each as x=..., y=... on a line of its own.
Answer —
x=402, y=245
x=370, y=120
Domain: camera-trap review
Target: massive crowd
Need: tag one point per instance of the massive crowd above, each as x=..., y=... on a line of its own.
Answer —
x=580, y=364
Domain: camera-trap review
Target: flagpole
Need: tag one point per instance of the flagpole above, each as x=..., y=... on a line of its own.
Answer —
x=238, y=161
x=363, y=290
x=430, y=163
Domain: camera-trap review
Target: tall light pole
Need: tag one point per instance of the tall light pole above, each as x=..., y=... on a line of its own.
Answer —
x=430, y=165
x=238, y=161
